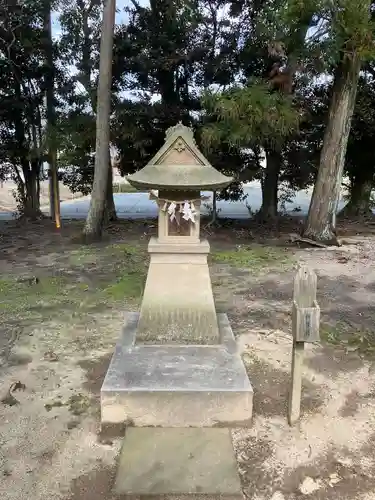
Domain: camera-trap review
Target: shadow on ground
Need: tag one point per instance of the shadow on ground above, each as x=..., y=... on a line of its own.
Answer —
x=271, y=388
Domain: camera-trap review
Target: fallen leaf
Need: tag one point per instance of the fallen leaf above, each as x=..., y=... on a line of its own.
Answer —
x=343, y=260
x=351, y=349
x=51, y=356
x=310, y=485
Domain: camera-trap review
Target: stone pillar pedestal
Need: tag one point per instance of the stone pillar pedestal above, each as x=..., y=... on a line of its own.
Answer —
x=178, y=305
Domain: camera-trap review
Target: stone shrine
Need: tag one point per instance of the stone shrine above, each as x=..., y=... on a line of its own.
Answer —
x=178, y=305
x=176, y=364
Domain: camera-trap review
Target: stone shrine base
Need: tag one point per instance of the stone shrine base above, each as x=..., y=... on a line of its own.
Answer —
x=175, y=464
x=176, y=385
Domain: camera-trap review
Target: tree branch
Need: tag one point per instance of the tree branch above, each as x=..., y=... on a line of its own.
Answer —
x=137, y=7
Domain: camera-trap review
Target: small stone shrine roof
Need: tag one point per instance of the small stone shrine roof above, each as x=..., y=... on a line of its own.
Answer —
x=179, y=165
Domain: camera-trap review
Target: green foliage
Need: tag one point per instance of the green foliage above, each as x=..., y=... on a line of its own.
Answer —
x=132, y=274
x=341, y=27
x=130, y=265
x=22, y=69
x=76, y=150
x=352, y=27
x=25, y=47
x=80, y=44
x=301, y=152
x=360, y=156
x=249, y=116
x=187, y=47
x=128, y=285
x=138, y=130
x=78, y=404
x=363, y=130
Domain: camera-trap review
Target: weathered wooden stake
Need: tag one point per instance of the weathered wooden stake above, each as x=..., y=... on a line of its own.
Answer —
x=305, y=328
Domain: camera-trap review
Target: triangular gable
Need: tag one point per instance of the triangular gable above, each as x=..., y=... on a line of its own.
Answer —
x=179, y=147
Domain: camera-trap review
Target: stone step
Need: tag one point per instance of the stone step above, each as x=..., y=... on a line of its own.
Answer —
x=178, y=464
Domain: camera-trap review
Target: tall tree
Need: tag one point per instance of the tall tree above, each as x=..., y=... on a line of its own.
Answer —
x=22, y=94
x=51, y=115
x=94, y=222
x=270, y=50
x=274, y=51
x=360, y=155
x=80, y=42
x=351, y=32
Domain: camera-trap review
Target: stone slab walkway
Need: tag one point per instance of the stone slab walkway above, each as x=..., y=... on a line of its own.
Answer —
x=179, y=461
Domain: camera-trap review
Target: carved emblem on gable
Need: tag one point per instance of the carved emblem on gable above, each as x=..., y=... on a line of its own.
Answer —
x=180, y=146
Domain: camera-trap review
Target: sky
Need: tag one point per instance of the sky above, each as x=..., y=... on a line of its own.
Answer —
x=121, y=16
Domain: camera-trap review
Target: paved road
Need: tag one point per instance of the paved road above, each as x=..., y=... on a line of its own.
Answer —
x=139, y=206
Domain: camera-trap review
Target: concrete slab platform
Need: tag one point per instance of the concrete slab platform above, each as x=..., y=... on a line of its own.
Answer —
x=178, y=463
x=176, y=386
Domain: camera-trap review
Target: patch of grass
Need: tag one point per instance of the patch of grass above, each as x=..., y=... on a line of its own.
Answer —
x=78, y=404
x=349, y=338
x=54, y=404
x=132, y=272
x=93, y=254
x=16, y=296
x=254, y=258
x=127, y=262
x=127, y=286
x=117, y=275
x=83, y=255
x=330, y=334
x=123, y=250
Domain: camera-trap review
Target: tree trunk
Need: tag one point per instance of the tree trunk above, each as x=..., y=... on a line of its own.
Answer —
x=110, y=207
x=359, y=204
x=270, y=184
x=95, y=218
x=86, y=64
x=31, y=209
x=214, y=208
x=320, y=224
x=38, y=188
x=51, y=118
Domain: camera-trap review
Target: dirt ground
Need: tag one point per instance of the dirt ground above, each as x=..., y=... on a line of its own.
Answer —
x=61, y=311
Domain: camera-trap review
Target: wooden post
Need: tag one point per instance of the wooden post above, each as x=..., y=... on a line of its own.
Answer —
x=305, y=328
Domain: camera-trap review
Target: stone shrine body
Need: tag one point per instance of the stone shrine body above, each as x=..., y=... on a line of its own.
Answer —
x=178, y=306
x=176, y=364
